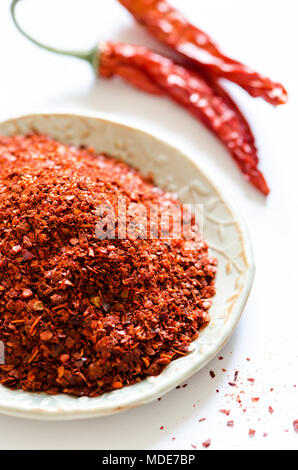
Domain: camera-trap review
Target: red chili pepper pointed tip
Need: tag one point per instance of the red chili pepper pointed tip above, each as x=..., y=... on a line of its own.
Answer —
x=283, y=99
x=278, y=95
x=258, y=181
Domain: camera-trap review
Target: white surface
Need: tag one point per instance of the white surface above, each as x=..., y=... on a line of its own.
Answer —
x=264, y=35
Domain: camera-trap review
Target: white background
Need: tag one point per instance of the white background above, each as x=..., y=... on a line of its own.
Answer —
x=264, y=35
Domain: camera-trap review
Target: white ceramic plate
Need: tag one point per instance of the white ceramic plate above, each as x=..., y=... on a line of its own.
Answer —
x=223, y=229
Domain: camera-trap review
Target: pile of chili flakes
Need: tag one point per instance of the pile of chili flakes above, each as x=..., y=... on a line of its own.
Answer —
x=80, y=315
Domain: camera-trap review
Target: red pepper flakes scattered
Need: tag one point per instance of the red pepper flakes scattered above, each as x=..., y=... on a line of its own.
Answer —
x=206, y=443
x=270, y=409
x=251, y=433
x=230, y=424
x=64, y=358
x=265, y=434
x=16, y=249
x=161, y=428
x=220, y=358
x=226, y=412
x=184, y=385
x=103, y=313
x=193, y=446
x=255, y=399
x=202, y=419
x=27, y=293
x=250, y=379
x=212, y=374
x=295, y=425
x=236, y=375
x=232, y=384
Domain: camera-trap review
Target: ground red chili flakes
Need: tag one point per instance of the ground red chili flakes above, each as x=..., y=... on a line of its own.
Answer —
x=81, y=315
x=206, y=443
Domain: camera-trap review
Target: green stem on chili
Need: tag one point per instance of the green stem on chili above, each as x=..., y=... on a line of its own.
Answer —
x=90, y=55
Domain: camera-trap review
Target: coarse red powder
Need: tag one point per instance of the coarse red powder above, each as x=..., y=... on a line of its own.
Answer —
x=80, y=315
x=206, y=443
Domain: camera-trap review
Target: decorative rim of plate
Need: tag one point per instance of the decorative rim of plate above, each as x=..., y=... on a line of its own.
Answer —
x=58, y=407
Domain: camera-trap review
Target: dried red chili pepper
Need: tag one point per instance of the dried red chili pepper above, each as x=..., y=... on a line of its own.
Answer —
x=201, y=95
x=83, y=315
x=205, y=100
x=169, y=26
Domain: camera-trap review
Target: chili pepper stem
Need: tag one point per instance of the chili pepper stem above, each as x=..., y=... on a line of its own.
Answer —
x=90, y=55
